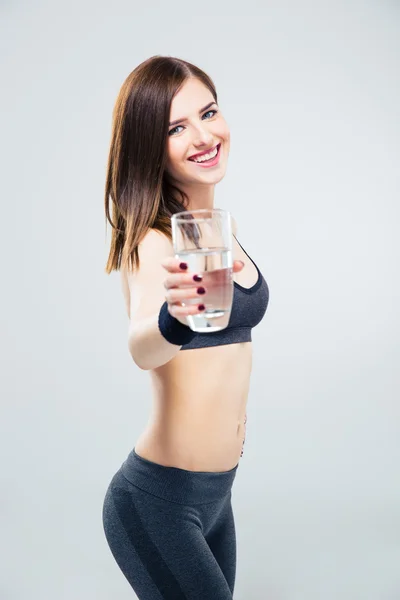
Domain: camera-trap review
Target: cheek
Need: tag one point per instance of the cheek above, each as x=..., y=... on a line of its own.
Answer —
x=223, y=125
x=225, y=134
x=176, y=154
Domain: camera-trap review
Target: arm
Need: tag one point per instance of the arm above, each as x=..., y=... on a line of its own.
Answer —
x=147, y=346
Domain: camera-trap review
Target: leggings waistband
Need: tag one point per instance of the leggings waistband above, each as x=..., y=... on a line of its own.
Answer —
x=174, y=484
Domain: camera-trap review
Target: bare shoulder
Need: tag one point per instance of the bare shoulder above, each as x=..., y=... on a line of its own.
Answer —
x=152, y=249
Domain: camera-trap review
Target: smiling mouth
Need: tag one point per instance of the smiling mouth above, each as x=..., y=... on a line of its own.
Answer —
x=195, y=158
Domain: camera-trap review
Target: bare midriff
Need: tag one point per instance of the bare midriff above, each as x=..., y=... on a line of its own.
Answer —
x=198, y=416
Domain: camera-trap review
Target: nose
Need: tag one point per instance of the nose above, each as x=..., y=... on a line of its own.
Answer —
x=203, y=137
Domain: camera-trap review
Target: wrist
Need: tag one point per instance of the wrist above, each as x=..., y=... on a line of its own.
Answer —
x=173, y=330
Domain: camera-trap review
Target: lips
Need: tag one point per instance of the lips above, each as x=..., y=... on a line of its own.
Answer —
x=202, y=153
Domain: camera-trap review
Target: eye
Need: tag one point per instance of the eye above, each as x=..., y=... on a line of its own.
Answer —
x=210, y=111
x=171, y=131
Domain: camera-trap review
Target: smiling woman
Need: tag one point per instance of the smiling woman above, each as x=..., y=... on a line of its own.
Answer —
x=167, y=512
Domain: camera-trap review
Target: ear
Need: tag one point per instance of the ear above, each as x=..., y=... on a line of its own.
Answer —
x=234, y=226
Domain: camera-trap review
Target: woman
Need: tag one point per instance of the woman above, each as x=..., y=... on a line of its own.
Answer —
x=167, y=513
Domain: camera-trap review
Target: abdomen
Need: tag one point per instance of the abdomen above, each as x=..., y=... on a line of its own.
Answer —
x=199, y=409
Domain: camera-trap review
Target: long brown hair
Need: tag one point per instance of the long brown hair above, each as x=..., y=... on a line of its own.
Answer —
x=138, y=188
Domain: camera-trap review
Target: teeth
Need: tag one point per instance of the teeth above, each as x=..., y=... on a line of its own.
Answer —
x=206, y=156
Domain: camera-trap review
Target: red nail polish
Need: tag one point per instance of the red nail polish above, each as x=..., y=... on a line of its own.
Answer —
x=197, y=278
x=183, y=265
x=201, y=290
x=201, y=307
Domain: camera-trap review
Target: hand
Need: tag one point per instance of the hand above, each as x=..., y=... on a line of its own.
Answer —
x=177, y=285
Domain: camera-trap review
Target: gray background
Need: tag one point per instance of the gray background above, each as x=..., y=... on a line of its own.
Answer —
x=311, y=93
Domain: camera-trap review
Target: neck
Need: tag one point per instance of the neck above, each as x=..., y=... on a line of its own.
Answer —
x=200, y=197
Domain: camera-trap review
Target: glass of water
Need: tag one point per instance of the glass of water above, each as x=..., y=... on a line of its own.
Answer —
x=203, y=239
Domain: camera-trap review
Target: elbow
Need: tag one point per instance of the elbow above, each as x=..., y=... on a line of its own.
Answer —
x=136, y=356
x=143, y=361
x=146, y=353
x=141, y=366
x=149, y=365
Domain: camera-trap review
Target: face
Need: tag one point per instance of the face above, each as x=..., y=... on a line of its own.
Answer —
x=200, y=129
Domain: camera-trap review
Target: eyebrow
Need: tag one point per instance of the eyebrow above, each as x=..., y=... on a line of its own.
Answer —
x=185, y=118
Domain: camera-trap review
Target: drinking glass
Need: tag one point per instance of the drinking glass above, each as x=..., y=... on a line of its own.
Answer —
x=203, y=239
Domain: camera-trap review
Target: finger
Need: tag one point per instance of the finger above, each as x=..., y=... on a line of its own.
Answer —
x=174, y=265
x=237, y=265
x=178, y=280
x=176, y=295
x=177, y=310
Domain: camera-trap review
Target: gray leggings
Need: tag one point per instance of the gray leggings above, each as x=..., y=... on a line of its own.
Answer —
x=172, y=531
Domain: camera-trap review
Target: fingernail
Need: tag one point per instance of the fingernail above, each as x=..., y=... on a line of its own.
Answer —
x=183, y=265
x=201, y=307
x=197, y=278
x=201, y=290
x=241, y=262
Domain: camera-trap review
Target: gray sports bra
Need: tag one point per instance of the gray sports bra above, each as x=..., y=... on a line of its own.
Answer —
x=248, y=308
